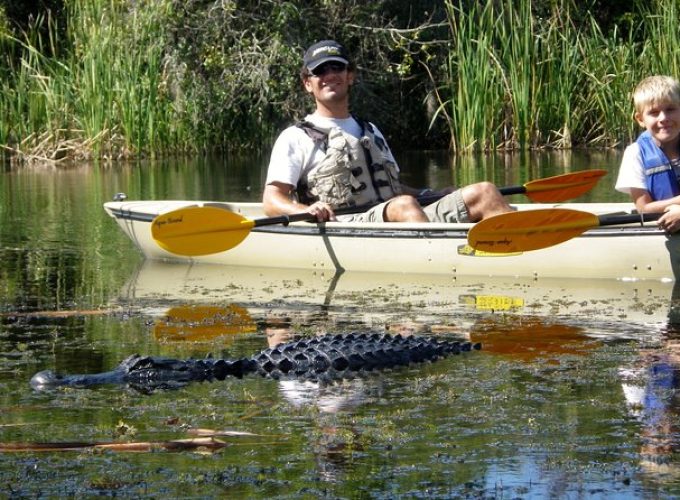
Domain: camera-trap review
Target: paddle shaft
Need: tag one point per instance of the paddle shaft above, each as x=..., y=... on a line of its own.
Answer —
x=510, y=190
x=617, y=219
x=356, y=209
x=551, y=189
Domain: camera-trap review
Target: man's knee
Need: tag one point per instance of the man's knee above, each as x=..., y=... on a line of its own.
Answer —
x=404, y=201
x=486, y=189
x=404, y=208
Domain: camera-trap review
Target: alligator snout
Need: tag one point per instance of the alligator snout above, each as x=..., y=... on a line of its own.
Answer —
x=45, y=378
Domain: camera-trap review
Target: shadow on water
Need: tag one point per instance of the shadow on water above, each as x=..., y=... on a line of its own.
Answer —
x=574, y=393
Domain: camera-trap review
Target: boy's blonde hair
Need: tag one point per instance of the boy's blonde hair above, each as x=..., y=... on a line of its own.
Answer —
x=655, y=90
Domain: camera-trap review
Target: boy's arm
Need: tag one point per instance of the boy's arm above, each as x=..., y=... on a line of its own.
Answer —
x=644, y=202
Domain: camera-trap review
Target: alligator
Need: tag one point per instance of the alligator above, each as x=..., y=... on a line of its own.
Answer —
x=324, y=358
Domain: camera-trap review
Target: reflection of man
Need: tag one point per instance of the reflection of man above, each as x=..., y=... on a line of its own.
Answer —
x=329, y=398
x=332, y=159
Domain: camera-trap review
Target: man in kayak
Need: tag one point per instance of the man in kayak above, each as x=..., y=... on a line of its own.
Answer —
x=333, y=159
x=650, y=167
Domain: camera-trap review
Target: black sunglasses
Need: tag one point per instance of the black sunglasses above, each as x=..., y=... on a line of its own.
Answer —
x=334, y=66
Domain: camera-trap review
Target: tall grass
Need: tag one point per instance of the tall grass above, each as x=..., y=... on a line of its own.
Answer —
x=514, y=81
x=115, y=83
x=103, y=96
x=558, y=48
x=474, y=80
x=491, y=76
x=662, y=36
x=605, y=97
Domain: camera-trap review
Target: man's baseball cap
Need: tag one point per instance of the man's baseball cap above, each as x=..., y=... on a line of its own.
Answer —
x=325, y=51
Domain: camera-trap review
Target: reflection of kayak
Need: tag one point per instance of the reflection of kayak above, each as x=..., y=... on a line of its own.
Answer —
x=380, y=296
x=631, y=251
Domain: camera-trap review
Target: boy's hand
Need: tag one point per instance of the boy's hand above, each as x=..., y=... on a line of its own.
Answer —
x=670, y=220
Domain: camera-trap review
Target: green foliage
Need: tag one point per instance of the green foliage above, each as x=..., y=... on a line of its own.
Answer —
x=147, y=77
x=90, y=93
x=235, y=74
x=241, y=63
x=4, y=24
x=114, y=78
x=552, y=82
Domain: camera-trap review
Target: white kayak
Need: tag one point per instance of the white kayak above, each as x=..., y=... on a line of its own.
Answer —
x=631, y=251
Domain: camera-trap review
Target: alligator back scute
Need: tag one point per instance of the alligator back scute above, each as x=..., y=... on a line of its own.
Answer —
x=342, y=355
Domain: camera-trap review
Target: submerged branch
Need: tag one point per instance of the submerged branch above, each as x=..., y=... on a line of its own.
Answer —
x=192, y=444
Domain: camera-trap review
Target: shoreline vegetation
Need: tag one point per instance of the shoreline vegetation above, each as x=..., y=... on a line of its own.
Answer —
x=126, y=79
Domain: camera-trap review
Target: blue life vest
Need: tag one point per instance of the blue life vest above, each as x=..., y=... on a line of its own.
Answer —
x=659, y=391
x=662, y=183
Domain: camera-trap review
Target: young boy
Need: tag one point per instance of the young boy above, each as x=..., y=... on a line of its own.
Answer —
x=650, y=168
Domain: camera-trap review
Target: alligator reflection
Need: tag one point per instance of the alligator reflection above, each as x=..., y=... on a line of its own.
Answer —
x=342, y=395
x=334, y=443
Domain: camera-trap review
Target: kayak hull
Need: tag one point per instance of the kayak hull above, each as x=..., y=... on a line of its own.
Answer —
x=627, y=252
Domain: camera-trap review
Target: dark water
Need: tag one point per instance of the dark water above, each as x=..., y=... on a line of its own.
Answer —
x=573, y=395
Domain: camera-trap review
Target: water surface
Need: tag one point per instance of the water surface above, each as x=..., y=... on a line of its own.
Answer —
x=574, y=393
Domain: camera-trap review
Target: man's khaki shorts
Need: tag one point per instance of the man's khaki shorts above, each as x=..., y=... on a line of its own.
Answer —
x=451, y=208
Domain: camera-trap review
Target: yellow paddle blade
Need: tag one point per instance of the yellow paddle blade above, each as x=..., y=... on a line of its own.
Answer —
x=529, y=229
x=563, y=187
x=200, y=230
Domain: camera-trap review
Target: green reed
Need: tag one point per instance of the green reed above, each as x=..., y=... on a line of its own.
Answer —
x=23, y=97
x=514, y=81
x=604, y=100
x=491, y=76
x=118, y=65
x=662, y=36
x=474, y=80
x=115, y=84
x=106, y=92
